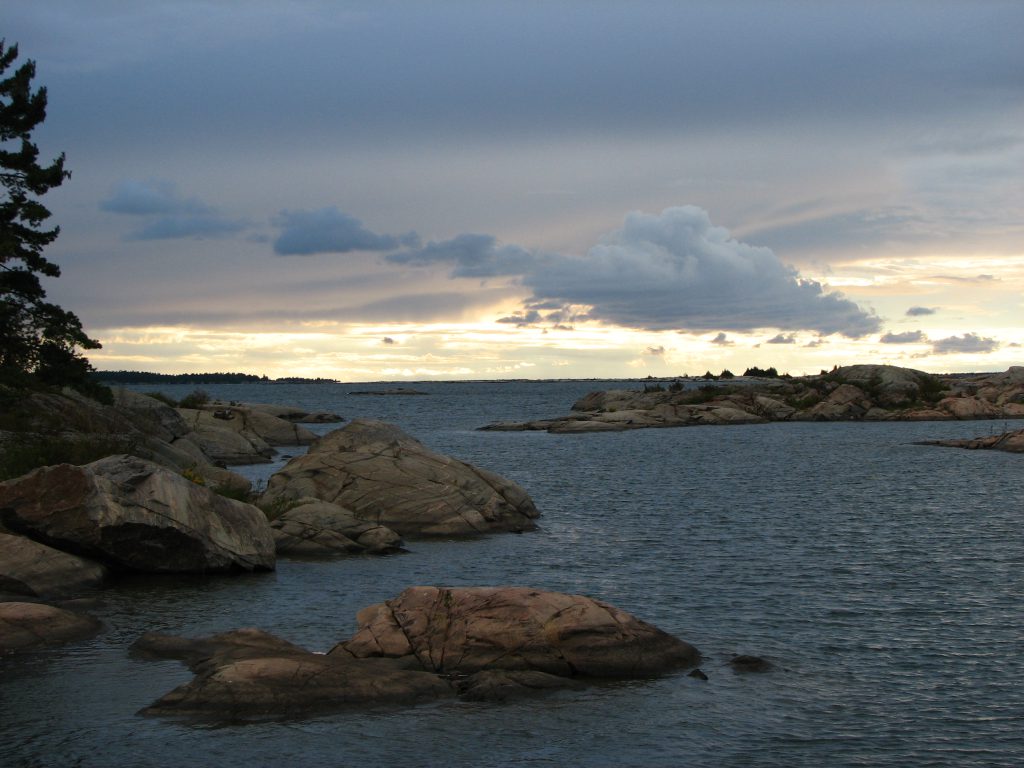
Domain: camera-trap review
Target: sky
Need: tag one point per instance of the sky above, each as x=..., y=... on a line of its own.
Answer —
x=561, y=189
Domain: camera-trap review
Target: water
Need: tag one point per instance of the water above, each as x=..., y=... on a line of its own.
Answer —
x=882, y=579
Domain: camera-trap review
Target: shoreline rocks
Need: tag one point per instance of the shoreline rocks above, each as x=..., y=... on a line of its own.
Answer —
x=851, y=393
x=388, y=478
x=132, y=514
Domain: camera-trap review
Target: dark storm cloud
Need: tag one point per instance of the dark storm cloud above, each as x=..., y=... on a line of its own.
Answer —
x=921, y=311
x=968, y=343
x=908, y=337
x=329, y=230
x=473, y=255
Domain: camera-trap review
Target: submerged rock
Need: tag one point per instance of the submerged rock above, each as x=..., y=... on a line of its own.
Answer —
x=388, y=478
x=132, y=514
x=29, y=625
x=1012, y=442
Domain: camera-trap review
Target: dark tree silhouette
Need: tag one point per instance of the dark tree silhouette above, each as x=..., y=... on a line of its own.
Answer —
x=39, y=341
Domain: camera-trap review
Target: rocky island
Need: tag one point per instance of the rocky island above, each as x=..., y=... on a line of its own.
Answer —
x=428, y=643
x=850, y=393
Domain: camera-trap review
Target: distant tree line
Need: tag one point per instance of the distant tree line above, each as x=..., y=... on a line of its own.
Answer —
x=145, y=377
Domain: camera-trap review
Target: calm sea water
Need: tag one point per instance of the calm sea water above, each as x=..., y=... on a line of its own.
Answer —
x=883, y=580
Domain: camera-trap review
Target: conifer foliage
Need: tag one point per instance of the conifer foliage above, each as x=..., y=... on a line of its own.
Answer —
x=39, y=341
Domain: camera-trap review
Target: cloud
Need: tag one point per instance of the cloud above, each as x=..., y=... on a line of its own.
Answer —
x=909, y=337
x=779, y=338
x=472, y=255
x=667, y=271
x=524, y=318
x=675, y=270
x=968, y=343
x=387, y=340
x=152, y=197
x=329, y=230
x=722, y=340
x=174, y=227
x=658, y=351
x=919, y=311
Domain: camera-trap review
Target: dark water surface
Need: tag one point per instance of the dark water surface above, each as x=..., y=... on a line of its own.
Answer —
x=882, y=579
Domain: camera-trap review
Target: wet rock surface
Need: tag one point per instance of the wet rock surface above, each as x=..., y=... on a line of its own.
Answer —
x=1012, y=442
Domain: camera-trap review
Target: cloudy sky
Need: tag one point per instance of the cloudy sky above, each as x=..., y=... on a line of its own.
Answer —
x=454, y=189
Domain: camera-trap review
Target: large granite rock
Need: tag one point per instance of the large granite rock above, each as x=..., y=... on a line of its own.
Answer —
x=388, y=478
x=470, y=629
x=24, y=626
x=240, y=435
x=427, y=644
x=30, y=568
x=130, y=513
x=313, y=528
x=248, y=673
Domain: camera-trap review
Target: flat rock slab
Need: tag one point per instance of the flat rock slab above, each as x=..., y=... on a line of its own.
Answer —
x=132, y=514
x=30, y=568
x=24, y=626
x=469, y=629
x=388, y=478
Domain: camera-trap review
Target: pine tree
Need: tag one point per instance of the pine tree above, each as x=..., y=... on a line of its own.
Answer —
x=39, y=341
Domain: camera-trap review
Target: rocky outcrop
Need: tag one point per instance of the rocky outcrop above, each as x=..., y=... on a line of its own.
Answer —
x=24, y=626
x=286, y=412
x=135, y=424
x=1012, y=442
x=133, y=514
x=240, y=435
x=852, y=393
x=388, y=478
x=427, y=644
x=314, y=528
x=466, y=630
x=30, y=568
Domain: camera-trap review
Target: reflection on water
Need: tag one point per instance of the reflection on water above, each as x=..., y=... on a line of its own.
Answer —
x=883, y=580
